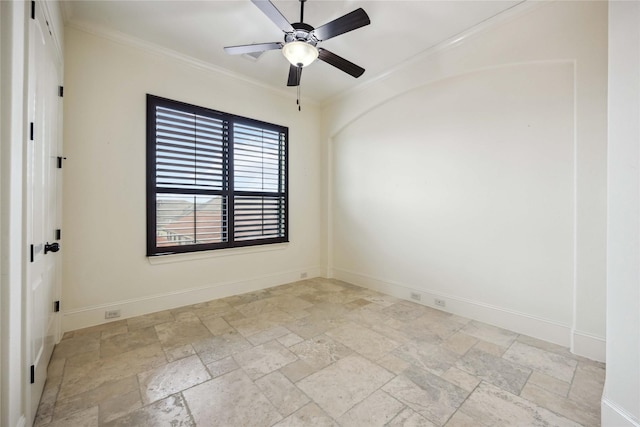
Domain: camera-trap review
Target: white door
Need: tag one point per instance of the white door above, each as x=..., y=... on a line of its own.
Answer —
x=42, y=205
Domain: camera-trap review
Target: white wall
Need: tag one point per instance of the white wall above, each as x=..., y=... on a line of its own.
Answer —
x=621, y=400
x=476, y=173
x=104, y=229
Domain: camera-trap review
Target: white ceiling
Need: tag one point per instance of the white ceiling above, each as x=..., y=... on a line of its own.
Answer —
x=399, y=30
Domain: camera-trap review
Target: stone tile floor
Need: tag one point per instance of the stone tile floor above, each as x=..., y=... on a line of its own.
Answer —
x=314, y=353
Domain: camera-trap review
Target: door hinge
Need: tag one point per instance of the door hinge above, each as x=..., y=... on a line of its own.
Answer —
x=58, y=234
x=60, y=159
x=31, y=131
x=33, y=374
x=32, y=254
x=56, y=306
x=33, y=10
x=60, y=91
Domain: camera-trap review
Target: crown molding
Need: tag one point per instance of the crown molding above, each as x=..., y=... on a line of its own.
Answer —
x=130, y=41
x=516, y=10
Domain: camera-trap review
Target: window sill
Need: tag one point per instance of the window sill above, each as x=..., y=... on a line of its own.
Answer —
x=194, y=256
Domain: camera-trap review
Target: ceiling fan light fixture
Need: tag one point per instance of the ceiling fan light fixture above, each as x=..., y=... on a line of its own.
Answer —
x=299, y=53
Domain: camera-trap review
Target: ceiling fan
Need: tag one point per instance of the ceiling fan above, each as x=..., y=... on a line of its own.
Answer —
x=301, y=40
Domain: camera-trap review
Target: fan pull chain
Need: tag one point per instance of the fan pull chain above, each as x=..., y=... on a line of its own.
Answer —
x=299, y=75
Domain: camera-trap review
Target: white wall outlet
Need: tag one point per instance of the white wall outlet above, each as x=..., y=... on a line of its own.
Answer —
x=111, y=314
x=440, y=302
x=303, y=275
x=415, y=296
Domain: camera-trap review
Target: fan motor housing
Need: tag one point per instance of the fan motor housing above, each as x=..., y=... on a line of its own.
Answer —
x=302, y=32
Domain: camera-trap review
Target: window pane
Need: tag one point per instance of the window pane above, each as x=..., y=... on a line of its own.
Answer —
x=189, y=220
x=189, y=150
x=257, y=158
x=259, y=217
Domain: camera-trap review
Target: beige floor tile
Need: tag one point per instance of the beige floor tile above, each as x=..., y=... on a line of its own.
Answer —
x=363, y=340
x=340, y=386
x=297, y=370
x=427, y=356
x=584, y=414
x=263, y=359
x=85, y=418
x=221, y=346
x=122, y=329
x=77, y=345
x=490, y=348
x=96, y=331
x=268, y=335
x=587, y=384
x=459, y=343
x=248, y=326
x=382, y=299
x=290, y=339
x=285, y=396
x=549, y=383
x=405, y=311
x=502, y=373
x=410, y=418
x=127, y=341
x=119, y=405
x=185, y=330
x=217, y=325
x=376, y=410
x=460, y=378
x=460, y=419
x=490, y=333
x=492, y=406
x=552, y=364
x=171, y=411
x=426, y=393
x=176, y=353
x=320, y=351
x=309, y=415
x=93, y=397
x=85, y=377
x=314, y=353
x=393, y=363
x=163, y=381
x=230, y=400
x=222, y=366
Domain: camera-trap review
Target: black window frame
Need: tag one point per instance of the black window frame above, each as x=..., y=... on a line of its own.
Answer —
x=227, y=190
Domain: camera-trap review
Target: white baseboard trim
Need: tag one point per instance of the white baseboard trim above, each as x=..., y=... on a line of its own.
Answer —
x=94, y=315
x=589, y=346
x=522, y=323
x=615, y=416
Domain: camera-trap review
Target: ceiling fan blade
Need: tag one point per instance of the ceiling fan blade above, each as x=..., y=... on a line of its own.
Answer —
x=274, y=14
x=349, y=22
x=294, y=75
x=250, y=48
x=340, y=63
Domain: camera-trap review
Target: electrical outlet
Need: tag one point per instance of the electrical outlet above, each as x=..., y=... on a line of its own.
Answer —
x=303, y=275
x=440, y=302
x=111, y=314
x=415, y=296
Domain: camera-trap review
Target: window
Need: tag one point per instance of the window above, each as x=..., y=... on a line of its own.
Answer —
x=214, y=180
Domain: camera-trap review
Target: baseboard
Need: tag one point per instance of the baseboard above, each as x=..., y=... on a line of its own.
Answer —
x=589, y=346
x=522, y=323
x=94, y=315
x=615, y=416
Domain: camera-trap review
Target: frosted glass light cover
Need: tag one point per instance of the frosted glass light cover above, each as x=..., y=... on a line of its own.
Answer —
x=300, y=53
